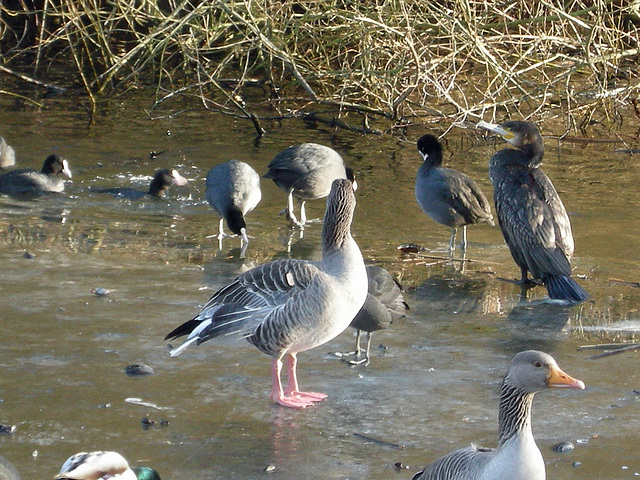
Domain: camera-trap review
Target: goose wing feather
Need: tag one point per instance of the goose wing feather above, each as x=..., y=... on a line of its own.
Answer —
x=462, y=464
x=243, y=305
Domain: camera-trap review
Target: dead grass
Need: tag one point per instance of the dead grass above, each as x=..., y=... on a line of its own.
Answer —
x=345, y=62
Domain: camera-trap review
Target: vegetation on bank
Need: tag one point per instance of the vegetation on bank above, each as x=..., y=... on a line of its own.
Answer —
x=364, y=65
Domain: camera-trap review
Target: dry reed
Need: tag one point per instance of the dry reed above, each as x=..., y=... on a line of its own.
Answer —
x=394, y=62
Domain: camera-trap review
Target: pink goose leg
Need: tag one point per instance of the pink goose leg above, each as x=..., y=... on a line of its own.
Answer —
x=291, y=397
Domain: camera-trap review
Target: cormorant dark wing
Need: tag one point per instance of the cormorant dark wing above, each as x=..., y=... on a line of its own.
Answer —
x=528, y=221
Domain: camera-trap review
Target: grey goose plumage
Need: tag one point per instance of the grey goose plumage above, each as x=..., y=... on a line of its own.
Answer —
x=7, y=470
x=233, y=190
x=448, y=196
x=532, y=217
x=26, y=181
x=306, y=172
x=517, y=456
x=288, y=306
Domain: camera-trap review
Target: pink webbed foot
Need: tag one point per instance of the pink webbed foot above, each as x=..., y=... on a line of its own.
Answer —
x=294, y=401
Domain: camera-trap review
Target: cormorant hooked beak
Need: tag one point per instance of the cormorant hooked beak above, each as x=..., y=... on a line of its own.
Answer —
x=492, y=127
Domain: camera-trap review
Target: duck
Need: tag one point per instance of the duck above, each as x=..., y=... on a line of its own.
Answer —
x=160, y=183
x=233, y=190
x=517, y=456
x=7, y=470
x=448, y=196
x=288, y=306
x=531, y=215
x=102, y=465
x=384, y=304
x=26, y=181
x=7, y=155
x=306, y=172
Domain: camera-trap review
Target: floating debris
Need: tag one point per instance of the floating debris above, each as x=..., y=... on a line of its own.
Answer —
x=139, y=401
x=378, y=441
x=411, y=248
x=101, y=291
x=563, y=447
x=148, y=423
x=138, y=370
x=270, y=468
x=400, y=466
x=28, y=255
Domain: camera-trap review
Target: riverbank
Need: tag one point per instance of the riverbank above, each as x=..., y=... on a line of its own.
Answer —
x=372, y=67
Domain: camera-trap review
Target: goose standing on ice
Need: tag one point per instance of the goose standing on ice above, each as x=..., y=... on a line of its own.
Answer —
x=233, y=190
x=306, y=172
x=517, y=456
x=448, y=196
x=288, y=306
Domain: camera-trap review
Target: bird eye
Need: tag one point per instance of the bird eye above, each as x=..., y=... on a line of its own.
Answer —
x=537, y=364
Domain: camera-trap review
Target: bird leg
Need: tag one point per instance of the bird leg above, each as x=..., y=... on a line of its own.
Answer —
x=291, y=397
x=355, y=352
x=463, y=243
x=292, y=385
x=365, y=360
x=452, y=242
x=290, y=215
x=303, y=213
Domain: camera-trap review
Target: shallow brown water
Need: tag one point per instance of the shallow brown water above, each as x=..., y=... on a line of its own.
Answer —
x=432, y=388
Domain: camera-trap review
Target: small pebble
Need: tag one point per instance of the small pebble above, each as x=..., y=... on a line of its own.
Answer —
x=563, y=447
x=138, y=370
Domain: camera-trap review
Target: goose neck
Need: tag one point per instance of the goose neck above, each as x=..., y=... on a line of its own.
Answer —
x=514, y=416
x=336, y=227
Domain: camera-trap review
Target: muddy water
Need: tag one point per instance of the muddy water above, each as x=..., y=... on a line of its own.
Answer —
x=432, y=384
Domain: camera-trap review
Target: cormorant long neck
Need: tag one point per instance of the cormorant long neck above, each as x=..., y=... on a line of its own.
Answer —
x=336, y=225
x=533, y=152
x=514, y=415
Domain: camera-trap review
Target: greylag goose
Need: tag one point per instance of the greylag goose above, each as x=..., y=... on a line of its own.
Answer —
x=384, y=304
x=159, y=185
x=517, y=456
x=7, y=155
x=28, y=181
x=531, y=215
x=233, y=190
x=306, y=171
x=8, y=471
x=97, y=465
x=288, y=306
x=448, y=196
